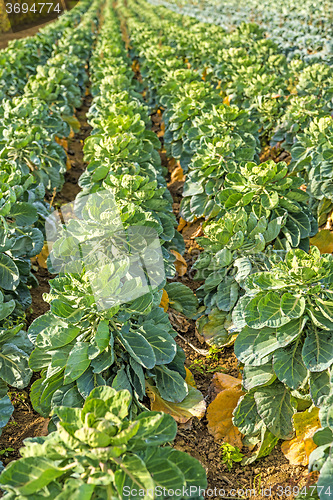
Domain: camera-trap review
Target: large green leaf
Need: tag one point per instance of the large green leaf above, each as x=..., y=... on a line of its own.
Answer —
x=317, y=352
x=270, y=312
x=133, y=474
x=246, y=416
x=253, y=347
x=288, y=365
x=324, y=484
x=292, y=306
x=138, y=347
x=254, y=376
x=171, y=385
x=77, y=362
x=14, y=368
x=29, y=475
x=182, y=298
x=276, y=407
x=163, y=344
x=25, y=214
x=6, y=410
x=9, y=273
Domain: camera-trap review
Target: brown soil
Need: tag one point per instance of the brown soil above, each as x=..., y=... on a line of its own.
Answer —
x=24, y=423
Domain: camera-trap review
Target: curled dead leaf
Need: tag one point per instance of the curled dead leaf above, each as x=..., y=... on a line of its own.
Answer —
x=180, y=263
x=63, y=142
x=197, y=233
x=192, y=406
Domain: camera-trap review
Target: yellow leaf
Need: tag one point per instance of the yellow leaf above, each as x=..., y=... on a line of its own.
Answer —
x=192, y=406
x=42, y=257
x=68, y=163
x=189, y=379
x=180, y=263
x=219, y=412
x=226, y=100
x=177, y=175
x=181, y=225
x=323, y=240
x=165, y=301
x=62, y=142
x=298, y=449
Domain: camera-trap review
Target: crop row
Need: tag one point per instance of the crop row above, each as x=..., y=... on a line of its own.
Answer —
x=31, y=161
x=300, y=30
x=90, y=345
x=20, y=59
x=275, y=299
x=290, y=102
x=94, y=339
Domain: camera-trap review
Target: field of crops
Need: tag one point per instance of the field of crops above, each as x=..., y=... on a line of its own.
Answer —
x=166, y=242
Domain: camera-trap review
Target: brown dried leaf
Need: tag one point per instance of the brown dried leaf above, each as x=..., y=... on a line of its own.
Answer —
x=177, y=175
x=221, y=382
x=219, y=416
x=62, y=142
x=197, y=233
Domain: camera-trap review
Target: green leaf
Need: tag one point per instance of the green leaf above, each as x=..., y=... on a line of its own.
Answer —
x=63, y=310
x=6, y=410
x=138, y=347
x=14, y=366
x=246, y=416
x=254, y=376
x=324, y=484
x=319, y=387
x=163, y=344
x=275, y=406
x=292, y=306
x=326, y=308
x=56, y=336
x=267, y=444
x=270, y=312
x=288, y=365
x=9, y=274
x=171, y=385
x=24, y=213
x=77, y=362
x=133, y=474
x=317, y=352
x=254, y=347
x=181, y=298
x=102, y=336
x=29, y=475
